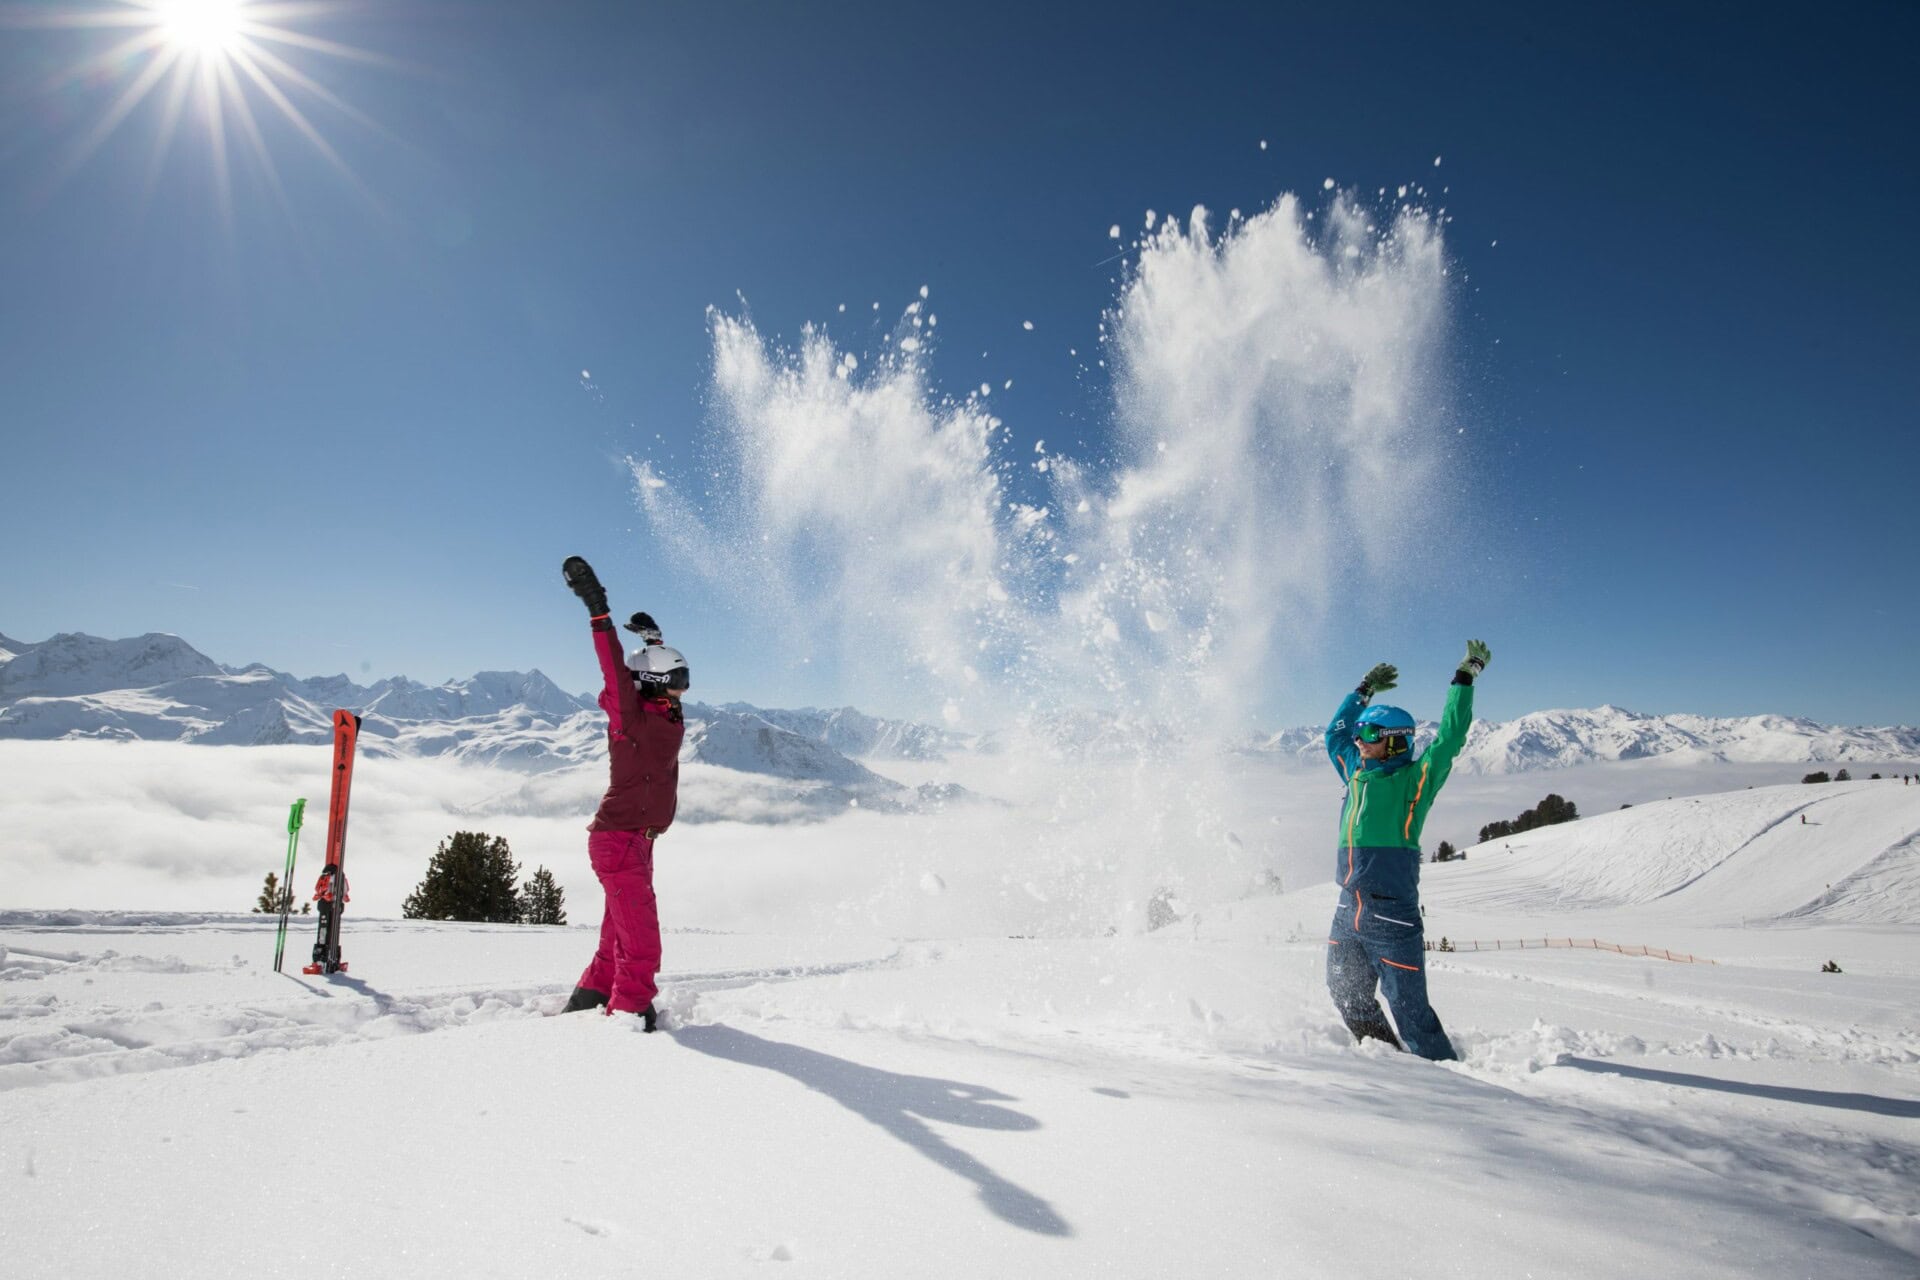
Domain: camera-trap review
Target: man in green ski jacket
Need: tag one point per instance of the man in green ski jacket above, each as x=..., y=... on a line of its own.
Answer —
x=1377, y=938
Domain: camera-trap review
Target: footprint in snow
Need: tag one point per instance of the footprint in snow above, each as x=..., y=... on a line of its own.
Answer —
x=590, y=1226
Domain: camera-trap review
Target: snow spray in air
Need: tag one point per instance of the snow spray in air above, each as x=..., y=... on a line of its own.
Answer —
x=1274, y=442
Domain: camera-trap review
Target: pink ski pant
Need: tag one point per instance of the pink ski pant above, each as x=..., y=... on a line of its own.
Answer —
x=629, y=953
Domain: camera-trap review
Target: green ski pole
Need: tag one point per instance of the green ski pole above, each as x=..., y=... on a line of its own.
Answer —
x=286, y=884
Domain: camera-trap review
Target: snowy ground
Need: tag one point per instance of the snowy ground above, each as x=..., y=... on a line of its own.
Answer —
x=965, y=1103
x=1157, y=1106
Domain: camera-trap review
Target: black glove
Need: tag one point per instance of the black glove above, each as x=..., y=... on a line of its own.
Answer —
x=1381, y=678
x=643, y=625
x=583, y=583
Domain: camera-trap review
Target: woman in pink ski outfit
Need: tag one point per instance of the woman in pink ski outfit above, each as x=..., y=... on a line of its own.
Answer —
x=641, y=696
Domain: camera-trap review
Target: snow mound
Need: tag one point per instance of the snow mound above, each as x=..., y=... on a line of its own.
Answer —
x=1831, y=853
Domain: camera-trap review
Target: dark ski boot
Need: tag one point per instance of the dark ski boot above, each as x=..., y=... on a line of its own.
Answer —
x=583, y=999
x=1372, y=1025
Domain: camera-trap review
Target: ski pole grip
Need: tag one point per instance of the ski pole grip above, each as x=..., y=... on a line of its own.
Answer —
x=299, y=811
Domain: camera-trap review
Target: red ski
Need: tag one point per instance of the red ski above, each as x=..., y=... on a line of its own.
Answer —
x=331, y=892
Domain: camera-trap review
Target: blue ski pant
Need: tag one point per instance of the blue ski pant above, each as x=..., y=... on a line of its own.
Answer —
x=1377, y=943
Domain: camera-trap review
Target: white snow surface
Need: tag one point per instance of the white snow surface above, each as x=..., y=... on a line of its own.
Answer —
x=1835, y=852
x=895, y=1090
x=1179, y=1104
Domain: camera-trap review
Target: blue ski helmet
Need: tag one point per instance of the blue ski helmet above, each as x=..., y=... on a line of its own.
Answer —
x=1376, y=723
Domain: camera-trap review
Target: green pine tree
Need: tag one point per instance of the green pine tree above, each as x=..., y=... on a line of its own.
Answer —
x=1549, y=812
x=273, y=899
x=542, y=900
x=470, y=877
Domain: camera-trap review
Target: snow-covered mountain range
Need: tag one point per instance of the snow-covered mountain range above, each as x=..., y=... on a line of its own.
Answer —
x=157, y=687
x=1561, y=739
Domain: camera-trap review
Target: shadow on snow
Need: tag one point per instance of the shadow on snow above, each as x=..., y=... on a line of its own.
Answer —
x=899, y=1104
x=1871, y=1103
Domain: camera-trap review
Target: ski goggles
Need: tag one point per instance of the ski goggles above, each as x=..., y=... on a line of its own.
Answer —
x=677, y=680
x=1374, y=733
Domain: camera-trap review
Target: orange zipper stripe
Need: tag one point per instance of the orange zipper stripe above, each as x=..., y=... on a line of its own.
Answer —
x=1407, y=831
x=1410, y=968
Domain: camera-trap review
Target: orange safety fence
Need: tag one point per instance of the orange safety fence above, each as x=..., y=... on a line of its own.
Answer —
x=1594, y=944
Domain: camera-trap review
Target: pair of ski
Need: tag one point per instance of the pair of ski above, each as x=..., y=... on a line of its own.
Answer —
x=331, y=891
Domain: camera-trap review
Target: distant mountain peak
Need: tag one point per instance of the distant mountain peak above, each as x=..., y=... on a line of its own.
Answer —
x=1562, y=737
x=73, y=663
x=159, y=687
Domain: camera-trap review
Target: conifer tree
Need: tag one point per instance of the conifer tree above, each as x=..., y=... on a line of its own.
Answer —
x=542, y=900
x=273, y=898
x=470, y=878
x=1550, y=811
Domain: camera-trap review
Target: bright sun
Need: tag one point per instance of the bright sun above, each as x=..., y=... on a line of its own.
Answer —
x=204, y=27
x=219, y=60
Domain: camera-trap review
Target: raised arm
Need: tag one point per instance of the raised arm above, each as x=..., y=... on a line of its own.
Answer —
x=1456, y=719
x=606, y=644
x=1340, y=748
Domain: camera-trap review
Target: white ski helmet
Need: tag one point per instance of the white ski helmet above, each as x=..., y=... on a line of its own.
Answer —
x=658, y=667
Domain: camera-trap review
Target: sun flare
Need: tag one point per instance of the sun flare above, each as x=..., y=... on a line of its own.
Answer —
x=203, y=27
x=232, y=64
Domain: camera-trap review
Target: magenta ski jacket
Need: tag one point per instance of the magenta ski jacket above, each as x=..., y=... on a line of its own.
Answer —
x=643, y=746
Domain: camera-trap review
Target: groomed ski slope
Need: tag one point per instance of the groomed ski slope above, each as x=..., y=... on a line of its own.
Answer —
x=1828, y=853
x=1179, y=1104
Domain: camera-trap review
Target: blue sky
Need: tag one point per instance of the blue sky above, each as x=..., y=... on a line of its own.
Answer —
x=344, y=428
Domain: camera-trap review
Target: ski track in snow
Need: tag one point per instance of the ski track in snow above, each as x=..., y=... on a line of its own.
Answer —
x=1775, y=1037
x=51, y=1043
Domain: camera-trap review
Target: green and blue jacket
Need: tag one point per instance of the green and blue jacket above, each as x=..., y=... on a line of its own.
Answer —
x=1388, y=800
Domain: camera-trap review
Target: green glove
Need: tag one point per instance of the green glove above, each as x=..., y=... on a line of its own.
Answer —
x=1382, y=678
x=1478, y=656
